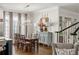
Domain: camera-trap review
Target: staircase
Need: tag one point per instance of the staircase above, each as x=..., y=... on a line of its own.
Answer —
x=67, y=37
x=70, y=34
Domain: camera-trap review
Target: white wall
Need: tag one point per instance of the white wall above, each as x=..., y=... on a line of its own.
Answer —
x=53, y=14
x=70, y=14
x=1, y=23
x=1, y=14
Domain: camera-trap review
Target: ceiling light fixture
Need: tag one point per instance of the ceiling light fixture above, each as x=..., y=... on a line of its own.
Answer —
x=27, y=5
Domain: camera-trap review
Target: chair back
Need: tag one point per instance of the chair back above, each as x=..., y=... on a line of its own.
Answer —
x=62, y=47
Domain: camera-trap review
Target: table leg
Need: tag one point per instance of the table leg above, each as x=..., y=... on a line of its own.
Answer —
x=37, y=46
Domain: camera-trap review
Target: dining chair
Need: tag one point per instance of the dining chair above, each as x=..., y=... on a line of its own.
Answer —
x=25, y=45
x=63, y=49
x=17, y=39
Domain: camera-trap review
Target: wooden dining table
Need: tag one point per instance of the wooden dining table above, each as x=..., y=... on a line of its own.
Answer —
x=34, y=41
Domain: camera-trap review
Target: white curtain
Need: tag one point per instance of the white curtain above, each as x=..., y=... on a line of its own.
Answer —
x=6, y=25
x=23, y=26
x=15, y=23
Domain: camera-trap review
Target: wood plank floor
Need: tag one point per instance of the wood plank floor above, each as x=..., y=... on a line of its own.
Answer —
x=43, y=50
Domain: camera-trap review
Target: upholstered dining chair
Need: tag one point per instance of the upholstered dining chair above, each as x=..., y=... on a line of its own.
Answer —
x=64, y=49
x=25, y=44
x=17, y=39
x=21, y=40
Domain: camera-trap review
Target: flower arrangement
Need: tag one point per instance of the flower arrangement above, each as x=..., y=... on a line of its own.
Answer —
x=42, y=23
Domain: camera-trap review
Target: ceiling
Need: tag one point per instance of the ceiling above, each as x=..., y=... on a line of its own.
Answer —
x=30, y=7
x=23, y=7
x=73, y=7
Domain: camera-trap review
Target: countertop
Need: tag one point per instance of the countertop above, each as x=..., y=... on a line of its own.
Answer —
x=5, y=38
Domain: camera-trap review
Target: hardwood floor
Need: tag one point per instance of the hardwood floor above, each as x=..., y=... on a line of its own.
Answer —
x=43, y=50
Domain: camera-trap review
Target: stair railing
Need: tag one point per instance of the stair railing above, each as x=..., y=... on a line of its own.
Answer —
x=74, y=33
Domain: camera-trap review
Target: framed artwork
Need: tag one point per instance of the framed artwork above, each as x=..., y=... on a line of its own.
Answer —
x=43, y=24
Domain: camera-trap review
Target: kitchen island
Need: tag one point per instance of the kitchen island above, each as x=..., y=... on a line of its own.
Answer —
x=7, y=45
